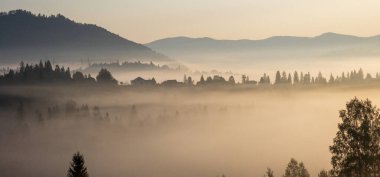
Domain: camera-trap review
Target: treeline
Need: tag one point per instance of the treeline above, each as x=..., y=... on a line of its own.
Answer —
x=306, y=78
x=281, y=79
x=43, y=72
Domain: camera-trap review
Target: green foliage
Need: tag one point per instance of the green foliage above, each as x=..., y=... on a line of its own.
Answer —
x=356, y=148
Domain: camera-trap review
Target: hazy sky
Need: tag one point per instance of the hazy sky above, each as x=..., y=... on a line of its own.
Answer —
x=147, y=20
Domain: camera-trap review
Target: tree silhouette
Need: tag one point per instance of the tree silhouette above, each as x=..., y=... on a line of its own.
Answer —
x=331, y=80
x=202, y=80
x=356, y=148
x=278, y=78
x=78, y=76
x=295, y=169
x=368, y=77
x=269, y=173
x=296, y=78
x=302, y=170
x=231, y=80
x=264, y=79
x=323, y=173
x=43, y=73
x=190, y=81
x=105, y=77
x=77, y=168
x=289, y=81
x=185, y=79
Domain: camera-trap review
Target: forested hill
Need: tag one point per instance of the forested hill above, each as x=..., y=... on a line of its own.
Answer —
x=26, y=36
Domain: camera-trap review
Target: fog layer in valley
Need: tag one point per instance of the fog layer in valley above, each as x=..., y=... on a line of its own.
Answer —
x=170, y=132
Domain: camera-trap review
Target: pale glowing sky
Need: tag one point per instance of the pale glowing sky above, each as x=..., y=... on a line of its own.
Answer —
x=147, y=20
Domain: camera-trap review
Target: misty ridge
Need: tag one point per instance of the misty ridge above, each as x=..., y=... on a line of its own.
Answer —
x=327, y=52
x=32, y=37
x=327, y=45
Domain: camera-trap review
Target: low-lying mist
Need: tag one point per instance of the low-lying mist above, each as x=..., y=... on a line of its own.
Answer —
x=168, y=132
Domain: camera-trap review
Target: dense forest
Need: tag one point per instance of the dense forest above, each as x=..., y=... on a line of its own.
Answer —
x=43, y=73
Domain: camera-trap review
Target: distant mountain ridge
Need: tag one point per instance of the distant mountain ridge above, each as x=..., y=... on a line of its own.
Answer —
x=27, y=36
x=325, y=37
x=277, y=47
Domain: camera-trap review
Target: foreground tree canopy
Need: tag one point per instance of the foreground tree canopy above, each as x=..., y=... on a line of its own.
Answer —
x=356, y=150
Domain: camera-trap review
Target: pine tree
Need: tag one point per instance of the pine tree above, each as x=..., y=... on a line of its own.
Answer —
x=77, y=168
x=289, y=81
x=331, y=80
x=278, y=78
x=202, y=80
x=303, y=171
x=296, y=78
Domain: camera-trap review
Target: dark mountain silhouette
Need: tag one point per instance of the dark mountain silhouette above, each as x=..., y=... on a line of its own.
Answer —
x=326, y=45
x=25, y=36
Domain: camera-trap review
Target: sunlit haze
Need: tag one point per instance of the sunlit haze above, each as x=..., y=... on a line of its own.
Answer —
x=196, y=88
x=148, y=20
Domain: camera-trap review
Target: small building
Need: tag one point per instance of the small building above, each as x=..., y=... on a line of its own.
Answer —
x=171, y=83
x=143, y=82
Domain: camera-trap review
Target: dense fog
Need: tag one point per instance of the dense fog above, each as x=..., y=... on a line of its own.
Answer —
x=168, y=132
